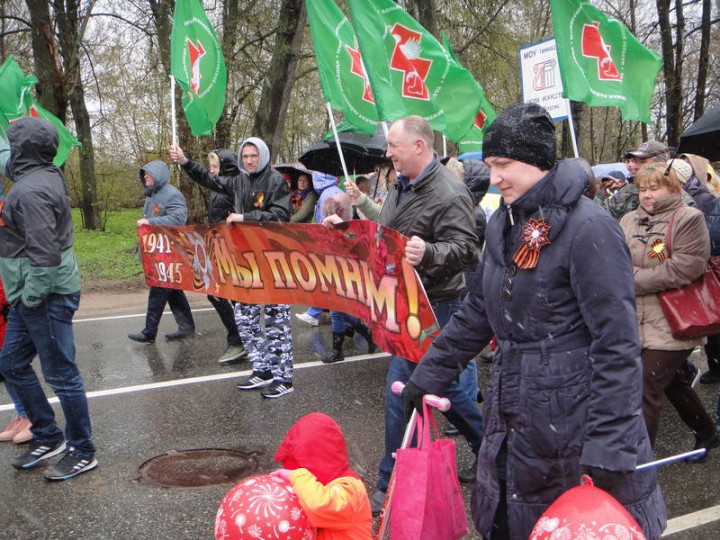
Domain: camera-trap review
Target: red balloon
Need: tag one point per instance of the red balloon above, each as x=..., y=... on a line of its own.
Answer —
x=586, y=512
x=262, y=507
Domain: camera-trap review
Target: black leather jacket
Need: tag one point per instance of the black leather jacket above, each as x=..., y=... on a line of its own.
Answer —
x=263, y=196
x=438, y=208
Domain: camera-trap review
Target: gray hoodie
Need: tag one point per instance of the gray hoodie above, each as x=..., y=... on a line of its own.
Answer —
x=165, y=205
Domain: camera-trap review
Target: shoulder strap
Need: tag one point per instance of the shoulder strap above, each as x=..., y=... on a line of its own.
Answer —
x=671, y=221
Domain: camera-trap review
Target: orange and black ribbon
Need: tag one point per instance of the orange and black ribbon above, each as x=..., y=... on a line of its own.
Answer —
x=658, y=250
x=534, y=236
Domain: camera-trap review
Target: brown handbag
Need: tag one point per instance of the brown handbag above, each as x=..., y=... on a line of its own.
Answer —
x=693, y=310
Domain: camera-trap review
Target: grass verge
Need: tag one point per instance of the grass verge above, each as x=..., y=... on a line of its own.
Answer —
x=109, y=256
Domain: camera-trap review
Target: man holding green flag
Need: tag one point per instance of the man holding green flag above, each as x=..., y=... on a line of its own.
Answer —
x=197, y=63
x=601, y=62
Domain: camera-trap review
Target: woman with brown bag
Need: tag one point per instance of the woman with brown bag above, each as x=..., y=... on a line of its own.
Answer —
x=666, y=259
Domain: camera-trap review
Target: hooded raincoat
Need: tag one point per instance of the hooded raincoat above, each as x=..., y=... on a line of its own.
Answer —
x=565, y=386
x=36, y=232
x=165, y=205
x=220, y=204
x=331, y=493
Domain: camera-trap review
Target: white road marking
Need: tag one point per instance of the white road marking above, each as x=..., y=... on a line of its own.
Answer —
x=690, y=521
x=132, y=316
x=197, y=380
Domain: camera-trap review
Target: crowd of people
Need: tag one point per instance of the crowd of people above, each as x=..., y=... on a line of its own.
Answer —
x=581, y=342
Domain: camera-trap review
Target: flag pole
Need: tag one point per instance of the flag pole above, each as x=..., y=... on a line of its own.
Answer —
x=172, y=111
x=571, y=125
x=337, y=139
x=444, y=145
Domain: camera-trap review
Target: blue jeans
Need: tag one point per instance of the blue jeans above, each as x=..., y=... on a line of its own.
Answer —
x=464, y=412
x=47, y=331
x=19, y=409
x=341, y=321
x=314, y=312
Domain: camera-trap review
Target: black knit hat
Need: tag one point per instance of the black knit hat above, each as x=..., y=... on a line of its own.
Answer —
x=524, y=132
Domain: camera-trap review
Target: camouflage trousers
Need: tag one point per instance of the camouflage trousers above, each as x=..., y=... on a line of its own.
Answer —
x=269, y=348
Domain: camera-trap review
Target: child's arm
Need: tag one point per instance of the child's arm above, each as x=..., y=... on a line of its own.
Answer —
x=328, y=507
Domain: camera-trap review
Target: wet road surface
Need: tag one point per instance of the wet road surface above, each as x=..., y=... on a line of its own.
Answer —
x=147, y=400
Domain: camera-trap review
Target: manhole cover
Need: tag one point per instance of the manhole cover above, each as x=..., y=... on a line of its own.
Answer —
x=194, y=468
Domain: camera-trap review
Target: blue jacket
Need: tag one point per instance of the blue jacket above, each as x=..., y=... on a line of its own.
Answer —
x=566, y=384
x=326, y=186
x=165, y=205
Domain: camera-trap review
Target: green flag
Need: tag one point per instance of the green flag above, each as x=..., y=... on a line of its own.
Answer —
x=67, y=139
x=4, y=143
x=601, y=62
x=197, y=63
x=410, y=71
x=16, y=101
x=471, y=140
x=343, y=78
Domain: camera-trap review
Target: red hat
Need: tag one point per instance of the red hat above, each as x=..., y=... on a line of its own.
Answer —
x=316, y=443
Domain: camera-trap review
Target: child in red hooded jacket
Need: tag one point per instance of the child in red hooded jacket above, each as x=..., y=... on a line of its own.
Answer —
x=314, y=459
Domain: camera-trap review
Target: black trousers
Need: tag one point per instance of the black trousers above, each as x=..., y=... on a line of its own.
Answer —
x=158, y=297
x=712, y=351
x=227, y=315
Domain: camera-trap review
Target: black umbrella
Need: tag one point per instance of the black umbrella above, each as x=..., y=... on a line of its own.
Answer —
x=293, y=170
x=703, y=137
x=362, y=153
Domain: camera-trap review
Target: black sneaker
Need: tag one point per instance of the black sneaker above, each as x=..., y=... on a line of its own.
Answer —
x=708, y=444
x=38, y=452
x=141, y=338
x=468, y=476
x=277, y=389
x=257, y=379
x=72, y=464
x=710, y=377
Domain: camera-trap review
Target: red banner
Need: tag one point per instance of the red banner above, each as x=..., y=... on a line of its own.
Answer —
x=358, y=268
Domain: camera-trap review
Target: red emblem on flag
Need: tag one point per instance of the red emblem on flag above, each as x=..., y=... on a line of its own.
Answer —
x=358, y=68
x=593, y=46
x=480, y=119
x=406, y=58
x=196, y=52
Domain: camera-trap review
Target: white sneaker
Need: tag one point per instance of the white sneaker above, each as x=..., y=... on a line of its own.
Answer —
x=304, y=317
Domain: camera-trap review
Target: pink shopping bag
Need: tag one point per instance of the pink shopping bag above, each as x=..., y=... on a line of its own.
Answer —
x=427, y=502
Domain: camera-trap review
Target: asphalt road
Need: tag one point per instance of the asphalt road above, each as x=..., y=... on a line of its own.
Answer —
x=151, y=400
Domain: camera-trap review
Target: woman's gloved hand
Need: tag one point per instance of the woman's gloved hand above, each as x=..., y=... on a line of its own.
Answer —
x=413, y=399
x=602, y=478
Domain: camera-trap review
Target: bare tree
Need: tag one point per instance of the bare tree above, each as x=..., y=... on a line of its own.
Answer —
x=57, y=50
x=672, y=66
x=703, y=60
x=280, y=79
